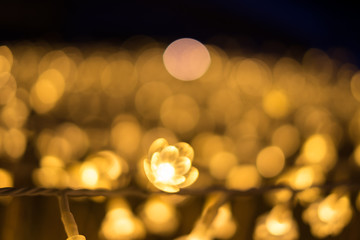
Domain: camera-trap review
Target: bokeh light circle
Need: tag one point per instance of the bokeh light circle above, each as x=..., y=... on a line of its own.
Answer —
x=186, y=59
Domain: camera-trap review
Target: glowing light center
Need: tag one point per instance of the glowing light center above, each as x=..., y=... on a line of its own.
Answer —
x=326, y=212
x=277, y=228
x=165, y=172
x=90, y=176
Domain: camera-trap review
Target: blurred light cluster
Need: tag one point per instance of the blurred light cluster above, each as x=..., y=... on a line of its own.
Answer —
x=86, y=116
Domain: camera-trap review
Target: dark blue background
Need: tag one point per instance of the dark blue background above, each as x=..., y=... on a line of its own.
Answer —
x=321, y=24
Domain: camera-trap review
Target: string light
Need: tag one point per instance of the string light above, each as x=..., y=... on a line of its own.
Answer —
x=168, y=167
x=78, y=123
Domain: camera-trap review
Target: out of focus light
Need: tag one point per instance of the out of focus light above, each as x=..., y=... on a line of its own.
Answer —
x=270, y=161
x=169, y=167
x=186, y=59
x=329, y=216
x=159, y=216
x=6, y=179
x=46, y=92
x=120, y=223
x=275, y=104
x=89, y=175
x=221, y=164
x=243, y=177
x=277, y=224
x=286, y=137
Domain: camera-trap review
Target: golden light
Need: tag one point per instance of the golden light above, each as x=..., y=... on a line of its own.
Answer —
x=276, y=224
x=46, y=92
x=14, y=143
x=328, y=217
x=120, y=223
x=221, y=164
x=270, y=161
x=6, y=179
x=276, y=104
x=126, y=135
x=180, y=113
x=318, y=149
x=8, y=87
x=224, y=225
x=186, y=59
x=6, y=59
x=15, y=113
x=84, y=117
x=357, y=155
x=286, y=137
x=252, y=76
x=169, y=167
x=355, y=86
x=159, y=216
x=243, y=177
x=89, y=175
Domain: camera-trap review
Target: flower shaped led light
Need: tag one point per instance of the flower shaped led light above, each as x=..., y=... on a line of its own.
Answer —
x=169, y=167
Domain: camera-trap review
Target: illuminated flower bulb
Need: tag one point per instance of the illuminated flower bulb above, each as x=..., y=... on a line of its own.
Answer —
x=169, y=167
x=277, y=224
x=186, y=59
x=223, y=226
x=159, y=216
x=102, y=170
x=120, y=223
x=329, y=216
x=318, y=150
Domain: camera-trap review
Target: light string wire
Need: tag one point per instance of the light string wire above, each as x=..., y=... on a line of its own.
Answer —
x=137, y=192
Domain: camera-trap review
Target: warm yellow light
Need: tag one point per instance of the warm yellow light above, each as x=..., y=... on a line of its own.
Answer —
x=328, y=217
x=304, y=178
x=243, y=177
x=169, y=167
x=165, y=172
x=159, y=216
x=8, y=87
x=6, y=179
x=276, y=104
x=276, y=224
x=47, y=90
x=89, y=175
x=221, y=164
x=286, y=137
x=277, y=228
x=270, y=161
x=326, y=212
x=186, y=59
x=315, y=148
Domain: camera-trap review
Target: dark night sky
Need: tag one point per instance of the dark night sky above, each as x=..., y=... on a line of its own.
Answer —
x=307, y=23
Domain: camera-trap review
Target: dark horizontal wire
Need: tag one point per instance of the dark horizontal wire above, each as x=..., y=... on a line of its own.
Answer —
x=39, y=191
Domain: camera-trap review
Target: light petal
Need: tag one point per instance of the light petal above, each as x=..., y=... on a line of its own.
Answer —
x=190, y=178
x=148, y=172
x=177, y=180
x=182, y=165
x=169, y=154
x=155, y=161
x=166, y=187
x=185, y=150
x=158, y=145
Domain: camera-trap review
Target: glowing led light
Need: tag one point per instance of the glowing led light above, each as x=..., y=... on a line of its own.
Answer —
x=169, y=167
x=270, y=161
x=165, y=172
x=89, y=175
x=328, y=216
x=276, y=227
x=326, y=212
x=186, y=59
